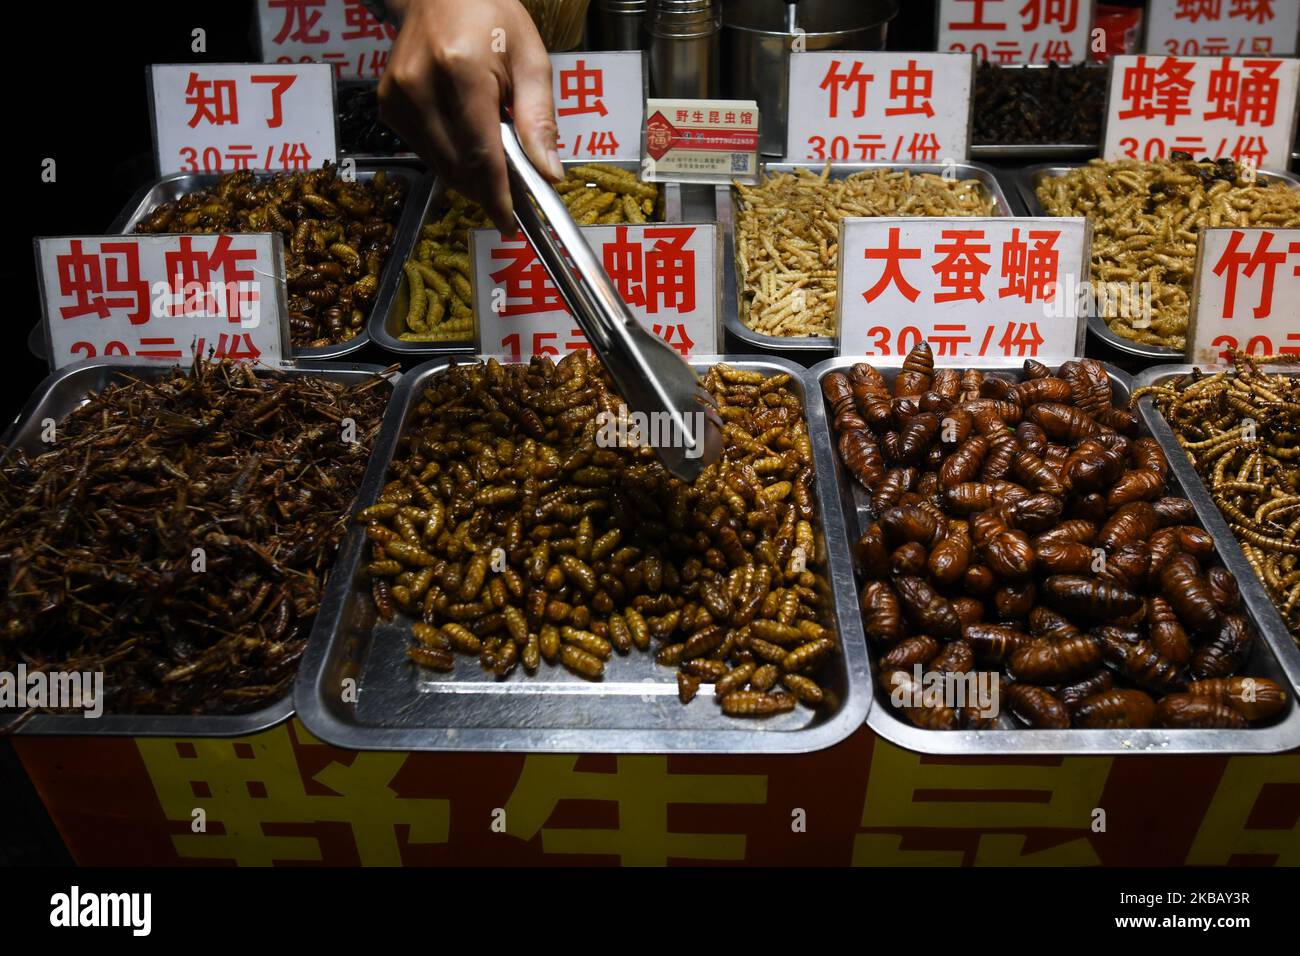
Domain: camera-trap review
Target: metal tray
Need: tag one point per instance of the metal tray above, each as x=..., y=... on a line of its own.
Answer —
x=634, y=710
x=1267, y=659
x=177, y=185
x=1027, y=184
x=59, y=394
x=733, y=293
x=385, y=327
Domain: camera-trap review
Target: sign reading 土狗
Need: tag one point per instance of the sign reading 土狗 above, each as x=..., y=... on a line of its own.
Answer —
x=1238, y=107
x=1222, y=27
x=665, y=272
x=218, y=117
x=700, y=141
x=981, y=291
x=341, y=33
x=1246, y=295
x=599, y=101
x=148, y=299
x=1016, y=31
x=865, y=107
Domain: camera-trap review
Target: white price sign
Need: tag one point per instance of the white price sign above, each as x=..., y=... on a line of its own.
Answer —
x=342, y=33
x=148, y=299
x=1222, y=27
x=979, y=290
x=212, y=118
x=1017, y=31
x=599, y=104
x=1243, y=108
x=864, y=107
x=1246, y=295
x=666, y=273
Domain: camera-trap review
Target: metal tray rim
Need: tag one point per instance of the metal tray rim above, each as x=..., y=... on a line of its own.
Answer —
x=1276, y=738
x=986, y=174
x=746, y=738
x=160, y=725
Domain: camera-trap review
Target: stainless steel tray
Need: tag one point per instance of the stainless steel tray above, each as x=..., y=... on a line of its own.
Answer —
x=1036, y=152
x=385, y=327
x=176, y=185
x=733, y=292
x=634, y=710
x=59, y=394
x=1267, y=660
x=1027, y=184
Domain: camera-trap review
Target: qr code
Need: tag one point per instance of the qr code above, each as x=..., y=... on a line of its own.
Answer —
x=740, y=162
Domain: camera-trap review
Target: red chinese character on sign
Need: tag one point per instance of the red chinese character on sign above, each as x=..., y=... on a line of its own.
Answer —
x=893, y=255
x=1030, y=271
x=1006, y=51
x=1234, y=262
x=300, y=16
x=977, y=21
x=1253, y=11
x=1157, y=92
x=1023, y=336
x=89, y=278
x=214, y=101
x=683, y=345
x=191, y=273
x=911, y=84
x=1196, y=10
x=1047, y=12
x=835, y=80
x=279, y=83
x=948, y=338
x=1250, y=150
x=1249, y=99
x=228, y=347
x=293, y=156
x=924, y=147
x=1058, y=51
x=588, y=86
x=362, y=24
x=528, y=288
x=626, y=267
x=670, y=270
x=961, y=269
x=154, y=349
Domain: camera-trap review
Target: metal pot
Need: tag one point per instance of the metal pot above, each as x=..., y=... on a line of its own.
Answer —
x=620, y=25
x=756, y=40
x=684, y=48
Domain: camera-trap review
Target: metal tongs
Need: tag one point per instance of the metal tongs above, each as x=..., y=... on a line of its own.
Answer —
x=684, y=427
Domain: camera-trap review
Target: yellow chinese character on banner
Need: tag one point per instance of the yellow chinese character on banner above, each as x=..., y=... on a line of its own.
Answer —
x=1253, y=813
x=903, y=793
x=643, y=789
x=243, y=783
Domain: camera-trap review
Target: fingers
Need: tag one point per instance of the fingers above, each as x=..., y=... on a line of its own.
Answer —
x=532, y=106
x=474, y=96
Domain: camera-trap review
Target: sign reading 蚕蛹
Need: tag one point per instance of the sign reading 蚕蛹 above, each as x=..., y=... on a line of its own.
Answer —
x=1246, y=295
x=1242, y=108
x=981, y=291
x=665, y=272
x=218, y=117
x=1222, y=27
x=865, y=107
x=148, y=299
x=340, y=33
x=1016, y=31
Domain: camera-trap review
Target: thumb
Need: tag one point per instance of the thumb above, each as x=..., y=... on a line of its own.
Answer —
x=534, y=110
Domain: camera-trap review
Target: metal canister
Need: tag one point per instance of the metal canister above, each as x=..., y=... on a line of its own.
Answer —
x=620, y=25
x=757, y=36
x=684, y=48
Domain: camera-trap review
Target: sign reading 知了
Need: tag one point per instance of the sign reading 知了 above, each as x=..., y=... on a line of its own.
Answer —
x=865, y=107
x=981, y=291
x=599, y=102
x=665, y=272
x=147, y=299
x=1246, y=295
x=1222, y=27
x=1016, y=31
x=341, y=33
x=1242, y=108
x=218, y=117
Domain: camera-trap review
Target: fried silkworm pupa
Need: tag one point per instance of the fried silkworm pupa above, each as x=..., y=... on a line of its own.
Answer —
x=994, y=642
x=1193, y=712
x=861, y=455
x=1167, y=632
x=927, y=609
x=1188, y=592
x=915, y=375
x=922, y=708
x=1223, y=589
x=1174, y=511
x=882, y=613
x=956, y=657
x=752, y=703
x=1141, y=664
x=1036, y=707
x=910, y=650
x=1087, y=597
x=1255, y=698
x=1140, y=485
x=1043, y=661
x=580, y=662
x=1072, y=695
x=1131, y=522
x=1123, y=708
x=910, y=523
x=1065, y=557
x=1225, y=653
